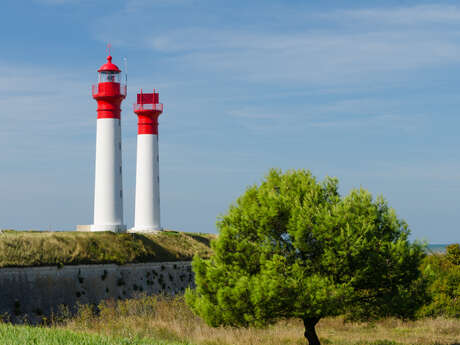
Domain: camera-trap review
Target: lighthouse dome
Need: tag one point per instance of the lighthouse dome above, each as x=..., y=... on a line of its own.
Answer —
x=109, y=66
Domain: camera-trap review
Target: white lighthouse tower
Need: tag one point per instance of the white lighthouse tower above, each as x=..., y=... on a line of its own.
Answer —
x=147, y=207
x=108, y=190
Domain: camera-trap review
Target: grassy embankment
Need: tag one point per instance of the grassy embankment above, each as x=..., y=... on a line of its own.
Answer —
x=171, y=320
x=37, y=248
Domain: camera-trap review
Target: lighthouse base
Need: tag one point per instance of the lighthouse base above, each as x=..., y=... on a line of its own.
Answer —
x=146, y=229
x=108, y=227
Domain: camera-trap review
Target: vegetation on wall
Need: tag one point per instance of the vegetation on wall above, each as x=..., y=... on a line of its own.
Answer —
x=37, y=248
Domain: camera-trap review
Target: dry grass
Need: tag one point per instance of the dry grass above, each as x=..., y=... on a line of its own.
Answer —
x=27, y=248
x=171, y=319
x=426, y=331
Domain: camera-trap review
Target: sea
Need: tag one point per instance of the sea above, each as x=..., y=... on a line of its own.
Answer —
x=437, y=248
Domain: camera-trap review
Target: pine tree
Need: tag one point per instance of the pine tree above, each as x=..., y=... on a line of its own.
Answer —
x=293, y=247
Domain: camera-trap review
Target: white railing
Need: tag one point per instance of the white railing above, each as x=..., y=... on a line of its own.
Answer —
x=158, y=107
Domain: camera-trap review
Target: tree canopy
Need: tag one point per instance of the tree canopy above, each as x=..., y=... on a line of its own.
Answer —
x=293, y=247
x=442, y=273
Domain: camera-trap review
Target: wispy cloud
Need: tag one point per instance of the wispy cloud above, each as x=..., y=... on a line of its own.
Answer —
x=60, y=2
x=372, y=121
x=34, y=100
x=355, y=113
x=426, y=171
x=251, y=113
x=370, y=48
x=146, y=5
x=414, y=15
x=311, y=57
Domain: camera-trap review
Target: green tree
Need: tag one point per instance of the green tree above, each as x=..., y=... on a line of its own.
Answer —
x=293, y=247
x=453, y=254
x=442, y=272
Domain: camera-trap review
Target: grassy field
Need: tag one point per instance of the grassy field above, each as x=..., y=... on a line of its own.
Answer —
x=26, y=335
x=37, y=248
x=171, y=320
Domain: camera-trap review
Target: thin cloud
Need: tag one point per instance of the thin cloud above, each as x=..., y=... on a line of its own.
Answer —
x=371, y=48
x=60, y=2
x=365, y=121
x=426, y=171
x=421, y=14
x=248, y=113
x=314, y=57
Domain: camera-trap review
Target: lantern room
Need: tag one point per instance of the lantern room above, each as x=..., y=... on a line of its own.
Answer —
x=109, y=72
x=108, y=77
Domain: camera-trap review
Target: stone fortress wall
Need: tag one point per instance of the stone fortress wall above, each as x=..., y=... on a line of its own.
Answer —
x=34, y=292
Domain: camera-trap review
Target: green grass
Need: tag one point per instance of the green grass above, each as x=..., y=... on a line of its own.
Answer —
x=26, y=335
x=37, y=248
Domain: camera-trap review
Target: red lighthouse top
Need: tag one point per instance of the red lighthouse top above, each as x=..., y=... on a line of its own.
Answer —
x=109, y=92
x=148, y=109
x=109, y=66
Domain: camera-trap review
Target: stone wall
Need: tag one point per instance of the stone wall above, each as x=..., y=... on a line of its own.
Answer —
x=37, y=291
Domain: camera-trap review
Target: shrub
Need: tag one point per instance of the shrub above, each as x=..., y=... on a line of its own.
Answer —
x=442, y=271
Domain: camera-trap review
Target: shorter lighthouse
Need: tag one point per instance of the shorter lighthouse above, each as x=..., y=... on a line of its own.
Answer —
x=147, y=207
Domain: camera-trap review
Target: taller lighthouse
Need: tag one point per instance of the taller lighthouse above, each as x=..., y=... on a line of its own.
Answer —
x=108, y=188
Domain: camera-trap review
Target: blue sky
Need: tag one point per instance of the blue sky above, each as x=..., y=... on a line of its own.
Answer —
x=366, y=92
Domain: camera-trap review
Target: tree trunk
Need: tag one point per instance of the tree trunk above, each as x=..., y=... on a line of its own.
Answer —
x=310, y=332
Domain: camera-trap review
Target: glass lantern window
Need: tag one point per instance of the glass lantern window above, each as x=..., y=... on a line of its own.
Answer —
x=109, y=77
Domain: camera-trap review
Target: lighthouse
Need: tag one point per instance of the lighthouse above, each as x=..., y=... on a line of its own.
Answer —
x=147, y=204
x=108, y=189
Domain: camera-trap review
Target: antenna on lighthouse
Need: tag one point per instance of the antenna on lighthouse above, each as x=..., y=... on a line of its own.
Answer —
x=125, y=60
